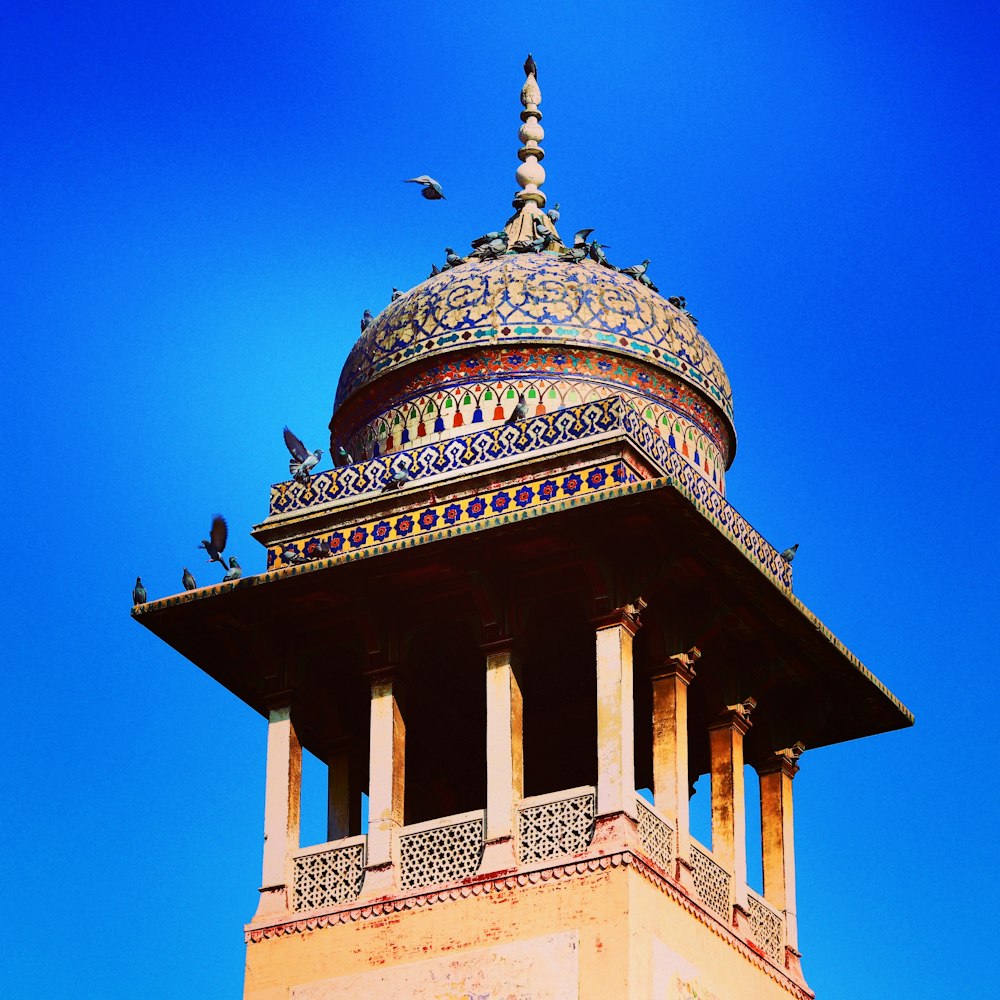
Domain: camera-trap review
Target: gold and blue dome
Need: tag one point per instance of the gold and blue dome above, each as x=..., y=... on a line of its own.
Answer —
x=460, y=348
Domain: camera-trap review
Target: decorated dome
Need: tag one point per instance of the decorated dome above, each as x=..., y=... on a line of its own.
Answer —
x=527, y=318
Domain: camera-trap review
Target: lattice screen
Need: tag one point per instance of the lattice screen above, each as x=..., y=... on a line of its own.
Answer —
x=766, y=924
x=329, y=877
x=441, y=854
x=550, y=829
x=711, y=881
x=656, y=836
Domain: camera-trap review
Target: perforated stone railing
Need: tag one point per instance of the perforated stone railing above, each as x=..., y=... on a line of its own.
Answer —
x=328, y=875
x=711, y=881
x=549, y=826
x=443, y=850
x=655, y=834
x=766, y=925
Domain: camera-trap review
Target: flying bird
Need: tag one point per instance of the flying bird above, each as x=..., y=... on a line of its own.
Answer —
x=138, y=592
x=530, y=67
x=519, y=412
x=216, y=541
x=789, y=554
x=234, y=572
x=431, y=190
x=188, y=580
x=303, y=460
x=366, y=320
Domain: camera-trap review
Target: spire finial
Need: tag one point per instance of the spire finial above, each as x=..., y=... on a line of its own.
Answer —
x=531, y=174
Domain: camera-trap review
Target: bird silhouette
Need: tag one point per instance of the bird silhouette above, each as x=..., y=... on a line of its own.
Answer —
x=303, y=460
x=138, y=592
x=188, y=580
x=530, y=67
x=430, y=188
x=216, y=541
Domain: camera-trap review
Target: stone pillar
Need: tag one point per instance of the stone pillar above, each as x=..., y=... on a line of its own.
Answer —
x=615, y=711
x=670, y=744
x=343, y=794
x=776, y=835
x=504, y=756
x=386, y=781
x=729, y=822
x=282, y=799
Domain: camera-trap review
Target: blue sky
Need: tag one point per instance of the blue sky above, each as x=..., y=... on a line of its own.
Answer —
x=199, y=201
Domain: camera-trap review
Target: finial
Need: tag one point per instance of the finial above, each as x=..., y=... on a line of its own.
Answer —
x=531, y=174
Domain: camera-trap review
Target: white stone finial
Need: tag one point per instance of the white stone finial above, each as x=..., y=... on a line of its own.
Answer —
x=531, y=174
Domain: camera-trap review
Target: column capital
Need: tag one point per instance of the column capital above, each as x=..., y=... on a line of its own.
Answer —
x=500, y=651
x=679, y=664
x=786, y=761
x=384, y=673
x=736, y=717
x=627, y=615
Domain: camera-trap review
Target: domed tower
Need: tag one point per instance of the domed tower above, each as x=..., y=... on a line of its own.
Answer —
x=517, y=621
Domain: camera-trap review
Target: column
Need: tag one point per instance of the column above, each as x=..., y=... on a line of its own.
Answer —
x=386, y=781
x=343, y=800
x=729, y=823
x=504, y=756
x=776, y=835
x=670, y=744
x=282, y=798
x=615, y=710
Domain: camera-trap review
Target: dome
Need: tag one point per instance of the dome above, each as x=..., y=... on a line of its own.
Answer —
x=477, y=335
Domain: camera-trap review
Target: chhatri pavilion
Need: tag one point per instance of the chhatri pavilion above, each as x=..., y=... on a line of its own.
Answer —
x=525, y=598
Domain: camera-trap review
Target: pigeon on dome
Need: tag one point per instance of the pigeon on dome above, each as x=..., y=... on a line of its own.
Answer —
x=430, y=189
x=366, y=320
x=580, y=249
x=396, y=294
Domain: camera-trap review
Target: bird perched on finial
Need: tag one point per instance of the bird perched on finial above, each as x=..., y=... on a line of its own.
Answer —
x=216, y=541
x=138, y=592
x=303, y=460
x=637, y=270
x=553, y=212
x=188, y=580
x=789, y=554
x=366, y=320
x=341, y=456
x=529, y=66
x=397, y=480
x=431, y=190
x=396, y=294
x=519, y=412
x=234, y=572
x=451, y=258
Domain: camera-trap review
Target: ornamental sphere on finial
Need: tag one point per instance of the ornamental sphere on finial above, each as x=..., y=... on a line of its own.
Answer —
x=531, y=131
x=530, y=173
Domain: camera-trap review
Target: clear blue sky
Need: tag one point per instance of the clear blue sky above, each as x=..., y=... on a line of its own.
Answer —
x=199, y=200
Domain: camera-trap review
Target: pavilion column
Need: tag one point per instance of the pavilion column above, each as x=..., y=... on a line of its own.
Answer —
x=504, y=756
x=343, y=791
x=386, y=782
x=729, y=822
x=671, y=779
x=776, y=835
x=615, y=711
x=282, y=798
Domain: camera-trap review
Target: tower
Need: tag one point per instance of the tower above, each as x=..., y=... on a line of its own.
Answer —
x=526, y=598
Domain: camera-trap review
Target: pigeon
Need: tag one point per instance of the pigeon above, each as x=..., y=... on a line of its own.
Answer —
x=188, y=580
x=598, y=256
x=397, y=480
x=138, y=592
x=451, y=258
x=431, y=190
x=292, y=556
x=529, y=67
x=396, y=294
x=341, y=457
x=366, y=320
x=580, y=248
x=519, y=412
x=636, y=270
x=303, y=460
x=789, y=554
x=434, y=270
x=216, y=540
x=489, y=238
x=234, y=572
x=553, y=213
